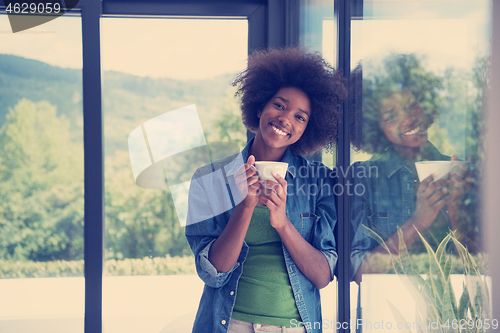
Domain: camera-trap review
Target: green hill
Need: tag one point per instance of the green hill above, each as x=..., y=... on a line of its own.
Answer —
x=37, y=81
x=128, y=100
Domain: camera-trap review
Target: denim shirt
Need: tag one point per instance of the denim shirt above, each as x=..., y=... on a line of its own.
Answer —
x=388, y=199
x=310, y=206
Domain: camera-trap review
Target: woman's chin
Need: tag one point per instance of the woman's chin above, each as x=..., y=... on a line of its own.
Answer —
x=414, y=141
x=274, y=141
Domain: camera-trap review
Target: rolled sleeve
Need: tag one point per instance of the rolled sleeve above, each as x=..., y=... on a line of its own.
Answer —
x=324, y=238
x=360, y=213
x=208, y=273
x=331, y=258
x=361, y=244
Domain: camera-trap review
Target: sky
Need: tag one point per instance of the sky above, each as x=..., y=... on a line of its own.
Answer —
x=176, y=48
x=445, y=41
x=57, y=42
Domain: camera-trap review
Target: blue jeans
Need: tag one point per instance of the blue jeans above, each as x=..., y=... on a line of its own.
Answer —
x=237, y=326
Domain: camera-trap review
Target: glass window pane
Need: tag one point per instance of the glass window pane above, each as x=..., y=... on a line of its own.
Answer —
x=166, y=89
x=419, y=70
x=318, y=33
x=41, y=172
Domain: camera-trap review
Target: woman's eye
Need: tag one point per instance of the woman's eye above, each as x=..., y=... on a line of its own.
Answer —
x=301, y=118
x=279, y=106
x=390, y=118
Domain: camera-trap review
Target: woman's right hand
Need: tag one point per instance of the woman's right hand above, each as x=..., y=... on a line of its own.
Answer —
x=430, y=199
x=248, y=183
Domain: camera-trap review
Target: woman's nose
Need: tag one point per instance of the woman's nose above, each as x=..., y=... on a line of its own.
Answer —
x=409, y=118
x=284, y=119
x=416, y=113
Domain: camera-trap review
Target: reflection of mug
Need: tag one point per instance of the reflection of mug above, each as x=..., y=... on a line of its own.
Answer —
x=265, y=169
x=439, y=169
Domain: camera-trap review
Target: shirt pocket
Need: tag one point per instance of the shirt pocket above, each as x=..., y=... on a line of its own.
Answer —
x=308, y=220
x=382, y=225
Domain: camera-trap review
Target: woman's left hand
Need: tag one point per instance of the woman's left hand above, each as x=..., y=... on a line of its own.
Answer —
x=460, y=181
x=273, y=195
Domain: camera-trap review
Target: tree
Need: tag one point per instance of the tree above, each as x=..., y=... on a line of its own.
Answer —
x=142, y=222
x=41, y=197
x=228, y=127
x=139, y=222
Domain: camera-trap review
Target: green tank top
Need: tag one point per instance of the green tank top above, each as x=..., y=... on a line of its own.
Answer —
x=264, y=295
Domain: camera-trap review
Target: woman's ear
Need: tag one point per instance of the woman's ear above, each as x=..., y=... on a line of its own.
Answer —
x=259, y=113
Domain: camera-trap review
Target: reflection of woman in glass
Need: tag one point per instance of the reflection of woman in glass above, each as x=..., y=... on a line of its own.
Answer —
x=398, y=109
x=264, y=260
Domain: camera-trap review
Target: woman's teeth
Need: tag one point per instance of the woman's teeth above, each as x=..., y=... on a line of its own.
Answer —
x=417, y=130
x=277, y=130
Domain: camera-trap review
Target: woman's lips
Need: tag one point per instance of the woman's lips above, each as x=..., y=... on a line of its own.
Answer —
x=279, y=131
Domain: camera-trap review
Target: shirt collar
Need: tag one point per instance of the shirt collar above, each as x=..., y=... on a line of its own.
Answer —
x=288, y=157
x=395, y=162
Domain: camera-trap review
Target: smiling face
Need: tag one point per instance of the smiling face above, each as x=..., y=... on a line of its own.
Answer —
x=403, y=121
x=284, y=118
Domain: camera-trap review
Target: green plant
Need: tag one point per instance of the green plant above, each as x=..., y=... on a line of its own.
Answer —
x=433, y=293
x=146, y=266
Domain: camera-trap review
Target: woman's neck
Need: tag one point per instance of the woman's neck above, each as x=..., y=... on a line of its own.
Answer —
x=408, y=153
x=262, y=152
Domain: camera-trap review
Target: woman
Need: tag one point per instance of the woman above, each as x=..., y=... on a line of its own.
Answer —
x=398, y=110
x=265, y=258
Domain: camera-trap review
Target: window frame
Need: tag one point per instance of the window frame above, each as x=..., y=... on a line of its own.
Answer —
x=342, y=17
